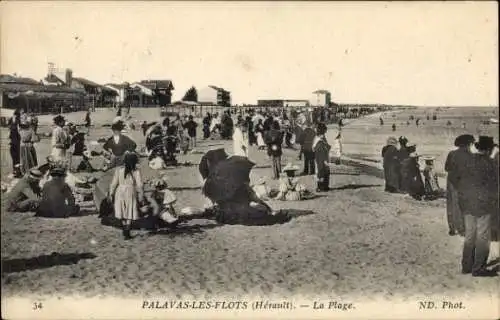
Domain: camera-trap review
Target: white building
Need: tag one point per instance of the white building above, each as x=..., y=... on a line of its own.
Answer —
x=320, y=98
x=213, y=95
x=120, y=89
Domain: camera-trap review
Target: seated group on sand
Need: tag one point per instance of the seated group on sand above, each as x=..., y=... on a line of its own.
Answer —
x=402, y=171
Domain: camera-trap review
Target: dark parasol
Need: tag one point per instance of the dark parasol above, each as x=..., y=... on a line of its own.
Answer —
x=227, y=178
x=210, y=159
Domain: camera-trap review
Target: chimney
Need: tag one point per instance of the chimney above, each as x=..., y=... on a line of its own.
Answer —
x=69, y=77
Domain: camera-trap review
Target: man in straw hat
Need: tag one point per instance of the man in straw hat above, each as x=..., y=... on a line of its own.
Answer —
x=455, y=167
x=25, y=195
x=478, y=195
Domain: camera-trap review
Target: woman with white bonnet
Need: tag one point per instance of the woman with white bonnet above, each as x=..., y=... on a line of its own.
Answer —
x=240, y=146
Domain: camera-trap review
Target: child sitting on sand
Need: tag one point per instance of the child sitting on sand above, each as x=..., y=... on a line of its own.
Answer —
x=290, y=189
x=431, y=184
x=161, y=205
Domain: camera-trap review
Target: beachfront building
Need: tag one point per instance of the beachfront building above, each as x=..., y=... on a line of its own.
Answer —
x=214, y=96
x=121, y=92
x=321, y=98
x=151, y=93
x=95, y=94
x=282, y=103
x=34, y=96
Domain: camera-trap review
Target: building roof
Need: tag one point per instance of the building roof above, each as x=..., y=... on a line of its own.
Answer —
x=20, y=87
x=52, y=78
x=321, y=91
x=87, y=82
x=157, y=84
x=117, y=85
x=7, y=78
x=217, y=88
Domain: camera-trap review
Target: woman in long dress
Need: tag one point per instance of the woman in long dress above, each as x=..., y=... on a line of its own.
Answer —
x=28, y=153
x=240, y=145
x=321, y=150
x=455, y=165
x=390, y=154
x=60, y=140
x=127, y=189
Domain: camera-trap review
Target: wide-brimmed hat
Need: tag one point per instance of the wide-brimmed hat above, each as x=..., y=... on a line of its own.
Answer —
x=428, y=159
x=58, y=172
x=392, y=141
x=290, y=167
x=59, y=118
x=35, y=174
x=464, y=140
x=484, y=143
x=117, y=126
x=158, y=183
x=403, y=140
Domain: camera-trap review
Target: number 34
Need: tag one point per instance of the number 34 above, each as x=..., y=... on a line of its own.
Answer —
x=37, y=306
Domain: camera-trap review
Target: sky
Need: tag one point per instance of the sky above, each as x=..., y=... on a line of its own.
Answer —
x=427, y=54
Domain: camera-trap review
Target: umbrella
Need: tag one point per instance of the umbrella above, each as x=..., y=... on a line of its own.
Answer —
x=227, y=178
x=210, y=159
x=151, y=126
x=256, y=118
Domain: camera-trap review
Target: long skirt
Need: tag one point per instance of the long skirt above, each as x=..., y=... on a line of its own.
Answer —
x=260, y=140
x=454, y=214
x=58, y=154
x=126, y=206
x=28, y=158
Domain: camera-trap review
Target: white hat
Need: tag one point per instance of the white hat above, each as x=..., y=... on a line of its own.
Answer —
x=290, y=167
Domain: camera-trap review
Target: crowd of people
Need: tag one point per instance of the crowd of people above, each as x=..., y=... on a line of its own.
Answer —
x=126, y=198
x=471, y=191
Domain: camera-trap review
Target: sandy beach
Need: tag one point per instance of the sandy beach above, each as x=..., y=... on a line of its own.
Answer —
x=358, y=241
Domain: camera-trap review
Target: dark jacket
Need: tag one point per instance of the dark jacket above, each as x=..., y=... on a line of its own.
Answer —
x=55, y=194
x=455, y=165
x=119, y=149
x=391, y=162
x=307, y=139
x=478, y=186
x=274, y=141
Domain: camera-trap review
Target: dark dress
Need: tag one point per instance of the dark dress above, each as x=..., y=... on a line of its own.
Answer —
x=15, y=144
x=391, y=158
x=206, y=127
x=403, y=154
x=412, y=178
x=321, y=156
x=240, y=211
x=118, y=149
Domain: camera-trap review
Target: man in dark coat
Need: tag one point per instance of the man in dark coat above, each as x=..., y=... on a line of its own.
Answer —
x=455, y=166
x=390, y=155
x=478, y=191
x=274, y=141
x=306, y=142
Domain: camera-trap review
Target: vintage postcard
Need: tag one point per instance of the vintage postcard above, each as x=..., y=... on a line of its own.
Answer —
x=250, y=160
